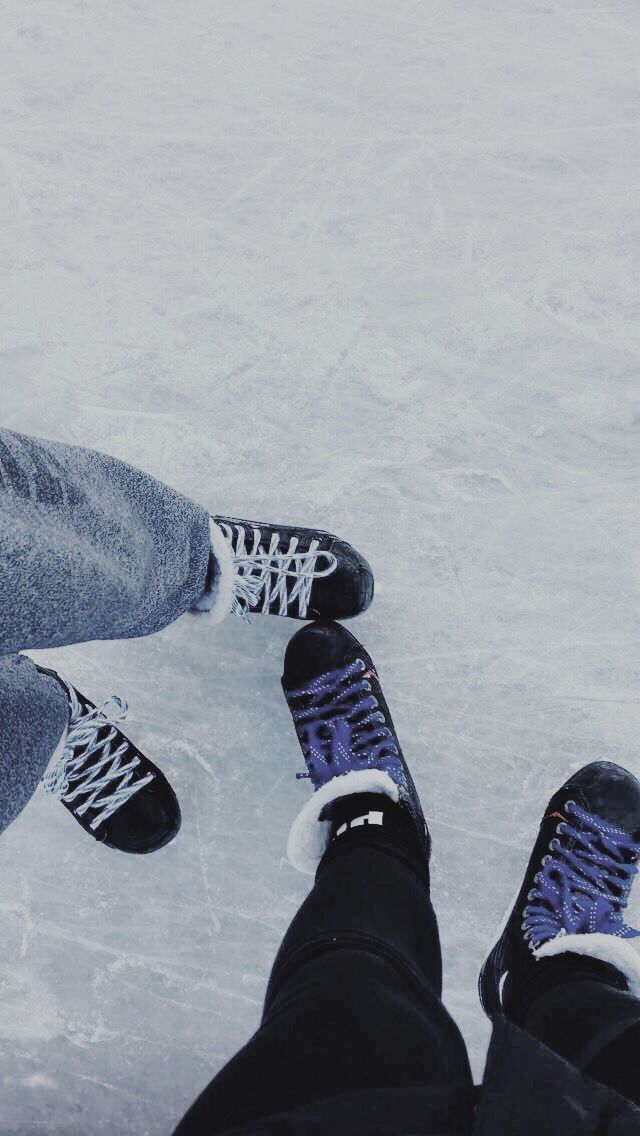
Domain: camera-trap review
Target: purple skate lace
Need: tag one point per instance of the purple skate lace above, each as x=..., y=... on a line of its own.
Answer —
x=584, y=883
x=340, y=727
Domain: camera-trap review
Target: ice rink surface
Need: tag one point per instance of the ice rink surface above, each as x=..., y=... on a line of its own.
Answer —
x=367, y=265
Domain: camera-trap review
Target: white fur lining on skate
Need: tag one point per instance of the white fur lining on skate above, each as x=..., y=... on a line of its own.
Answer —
x=607, y=948
x=309, y=835
x=217, y=602
x=57, y=753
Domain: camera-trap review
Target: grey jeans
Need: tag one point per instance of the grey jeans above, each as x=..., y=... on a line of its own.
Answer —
x=90, y=548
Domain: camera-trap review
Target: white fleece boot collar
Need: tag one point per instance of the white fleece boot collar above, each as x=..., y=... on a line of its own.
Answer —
x=217, y=601
x=621, y=953
x=309, y=835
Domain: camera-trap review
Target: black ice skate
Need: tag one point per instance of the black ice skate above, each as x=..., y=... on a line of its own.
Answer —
x=345, y=732
x=114, y=792
x=575, y=890
x=299, y=572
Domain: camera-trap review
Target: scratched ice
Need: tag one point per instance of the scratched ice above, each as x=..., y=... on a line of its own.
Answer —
x=372, y=266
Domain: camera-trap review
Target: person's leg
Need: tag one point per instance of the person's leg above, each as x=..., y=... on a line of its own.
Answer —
x=51, y=733
x=569, y=960
x=91, y=548
x=590, y=1021
x=34, y=712
x=353, y=1002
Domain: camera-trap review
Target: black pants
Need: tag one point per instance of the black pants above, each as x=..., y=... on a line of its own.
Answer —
x=353, y=1001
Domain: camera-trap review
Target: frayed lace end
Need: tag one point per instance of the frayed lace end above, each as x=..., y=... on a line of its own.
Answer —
x=620, y=953
x=217, y=602
x=309, y=835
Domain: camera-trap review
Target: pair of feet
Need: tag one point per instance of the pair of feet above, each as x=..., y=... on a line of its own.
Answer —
x=576, y=887
x=577, y=884
x=113, y=790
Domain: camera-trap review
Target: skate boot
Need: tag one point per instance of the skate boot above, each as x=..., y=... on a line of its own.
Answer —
x=575, y=890
x=114, y=792
x=346, y=735
x=284, y=570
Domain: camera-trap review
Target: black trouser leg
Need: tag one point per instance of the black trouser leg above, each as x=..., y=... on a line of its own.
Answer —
x=353, y=1002
x=590, y=1023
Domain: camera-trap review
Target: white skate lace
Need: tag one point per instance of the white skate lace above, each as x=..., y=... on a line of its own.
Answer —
x=89, y=765
x=268, y=576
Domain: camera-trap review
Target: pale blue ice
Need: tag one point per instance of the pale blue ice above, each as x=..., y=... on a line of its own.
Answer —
x=367, y=265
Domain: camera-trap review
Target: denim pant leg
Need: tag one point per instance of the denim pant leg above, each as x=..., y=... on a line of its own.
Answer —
x=33, y=714
x=91, y=548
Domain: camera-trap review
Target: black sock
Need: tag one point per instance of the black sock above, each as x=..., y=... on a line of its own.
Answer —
x=371, y=813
